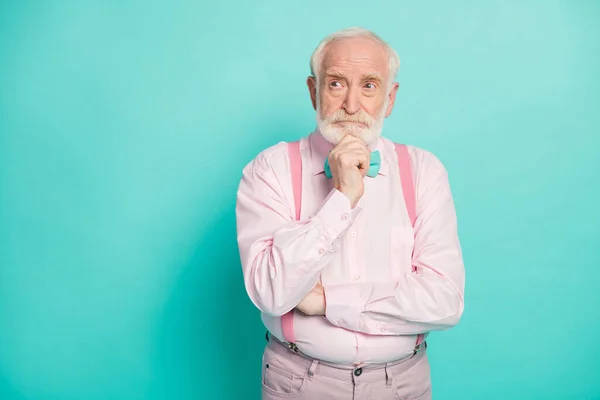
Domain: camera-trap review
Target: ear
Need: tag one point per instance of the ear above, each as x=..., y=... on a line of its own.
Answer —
x=311, y=82
x=392, y=99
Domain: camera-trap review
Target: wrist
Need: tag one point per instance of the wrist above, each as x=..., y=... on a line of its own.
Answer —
x=351, y=197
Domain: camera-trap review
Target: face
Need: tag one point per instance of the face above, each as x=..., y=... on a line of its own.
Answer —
x=352, y=95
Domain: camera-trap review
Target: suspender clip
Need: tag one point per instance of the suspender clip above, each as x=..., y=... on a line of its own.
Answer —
x=293, y=347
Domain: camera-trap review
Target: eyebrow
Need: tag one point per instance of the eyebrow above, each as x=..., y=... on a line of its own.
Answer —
x=336, y=74
x=372, y=77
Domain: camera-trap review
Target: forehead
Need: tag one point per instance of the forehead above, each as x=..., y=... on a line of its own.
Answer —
x=356, y=54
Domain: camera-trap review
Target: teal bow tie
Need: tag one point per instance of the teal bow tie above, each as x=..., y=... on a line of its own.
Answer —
x=374, y=166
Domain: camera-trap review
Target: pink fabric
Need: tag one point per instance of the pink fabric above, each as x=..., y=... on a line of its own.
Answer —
x=377, y=305
x=406, y=178
x=296, y=175
x=287, y=319
x=408, y=190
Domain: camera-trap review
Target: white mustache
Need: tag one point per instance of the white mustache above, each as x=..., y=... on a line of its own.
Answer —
x=344, y=117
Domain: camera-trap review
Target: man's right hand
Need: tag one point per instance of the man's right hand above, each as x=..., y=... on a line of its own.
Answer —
x=349, y=162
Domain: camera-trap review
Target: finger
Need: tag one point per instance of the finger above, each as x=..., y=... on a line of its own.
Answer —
x=364, y=162
x=349, y=138
x=350, y=141
x=353, y=158
x=364, y=157
x=359, y=148
x=346, y=158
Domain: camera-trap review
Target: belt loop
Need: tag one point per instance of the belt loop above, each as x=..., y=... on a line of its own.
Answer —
x=388, y=376
x=312, y=369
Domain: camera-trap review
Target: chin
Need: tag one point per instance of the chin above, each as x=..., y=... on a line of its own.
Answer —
x=335, y=134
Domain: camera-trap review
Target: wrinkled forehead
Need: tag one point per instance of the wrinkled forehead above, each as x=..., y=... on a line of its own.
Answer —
x=355, y=55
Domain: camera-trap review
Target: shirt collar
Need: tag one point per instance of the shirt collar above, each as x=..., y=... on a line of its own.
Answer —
x=320, y=148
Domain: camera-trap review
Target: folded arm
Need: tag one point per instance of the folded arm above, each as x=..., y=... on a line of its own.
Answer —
x=431, y=298
x=283, y=258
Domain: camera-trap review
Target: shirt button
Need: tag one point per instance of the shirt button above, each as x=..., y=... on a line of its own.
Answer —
x=358, y=372
x=340, y=321
x=344, y=217
x=357, y=278
x=321, y=250
x=353, y=234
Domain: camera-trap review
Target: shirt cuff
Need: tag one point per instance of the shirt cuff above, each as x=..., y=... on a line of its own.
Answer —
x=337, y=214
x=340, y=309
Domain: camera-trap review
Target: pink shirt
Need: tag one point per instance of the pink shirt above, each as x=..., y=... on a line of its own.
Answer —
x=375, y=305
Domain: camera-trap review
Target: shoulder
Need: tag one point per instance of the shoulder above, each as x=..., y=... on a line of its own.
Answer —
x=272, y=158
x=425, y=162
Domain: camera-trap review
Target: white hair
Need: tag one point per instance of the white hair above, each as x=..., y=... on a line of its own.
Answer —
x=349, y=33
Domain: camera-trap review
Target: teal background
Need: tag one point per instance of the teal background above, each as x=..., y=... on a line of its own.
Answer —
x=125, y=126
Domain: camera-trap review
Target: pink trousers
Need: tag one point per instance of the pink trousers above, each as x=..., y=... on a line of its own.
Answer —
x=288, y=375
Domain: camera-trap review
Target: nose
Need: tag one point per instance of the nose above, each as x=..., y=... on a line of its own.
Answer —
x=351, y=102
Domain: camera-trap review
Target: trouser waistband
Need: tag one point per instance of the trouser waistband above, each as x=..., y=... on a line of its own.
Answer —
x=367, y=373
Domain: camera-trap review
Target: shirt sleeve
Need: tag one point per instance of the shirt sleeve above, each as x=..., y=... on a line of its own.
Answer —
x=431, y=298
x=282, y=258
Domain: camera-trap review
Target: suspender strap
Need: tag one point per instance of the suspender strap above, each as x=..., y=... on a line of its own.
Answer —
x=408, y=190
x=287, y=320
x=406, y=178
x=296, y=168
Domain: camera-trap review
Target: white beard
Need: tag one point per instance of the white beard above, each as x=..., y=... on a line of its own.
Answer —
x=333, y=133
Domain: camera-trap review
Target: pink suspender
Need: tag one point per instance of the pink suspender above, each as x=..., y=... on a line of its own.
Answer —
x=287, y=319
x=296, y=167
x=408, y=189
x=406, y=178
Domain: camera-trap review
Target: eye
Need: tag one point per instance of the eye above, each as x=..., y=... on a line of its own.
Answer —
x=370, y=85
x=335, y=84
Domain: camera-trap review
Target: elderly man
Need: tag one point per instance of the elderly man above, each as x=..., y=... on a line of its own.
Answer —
x=348, y=241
